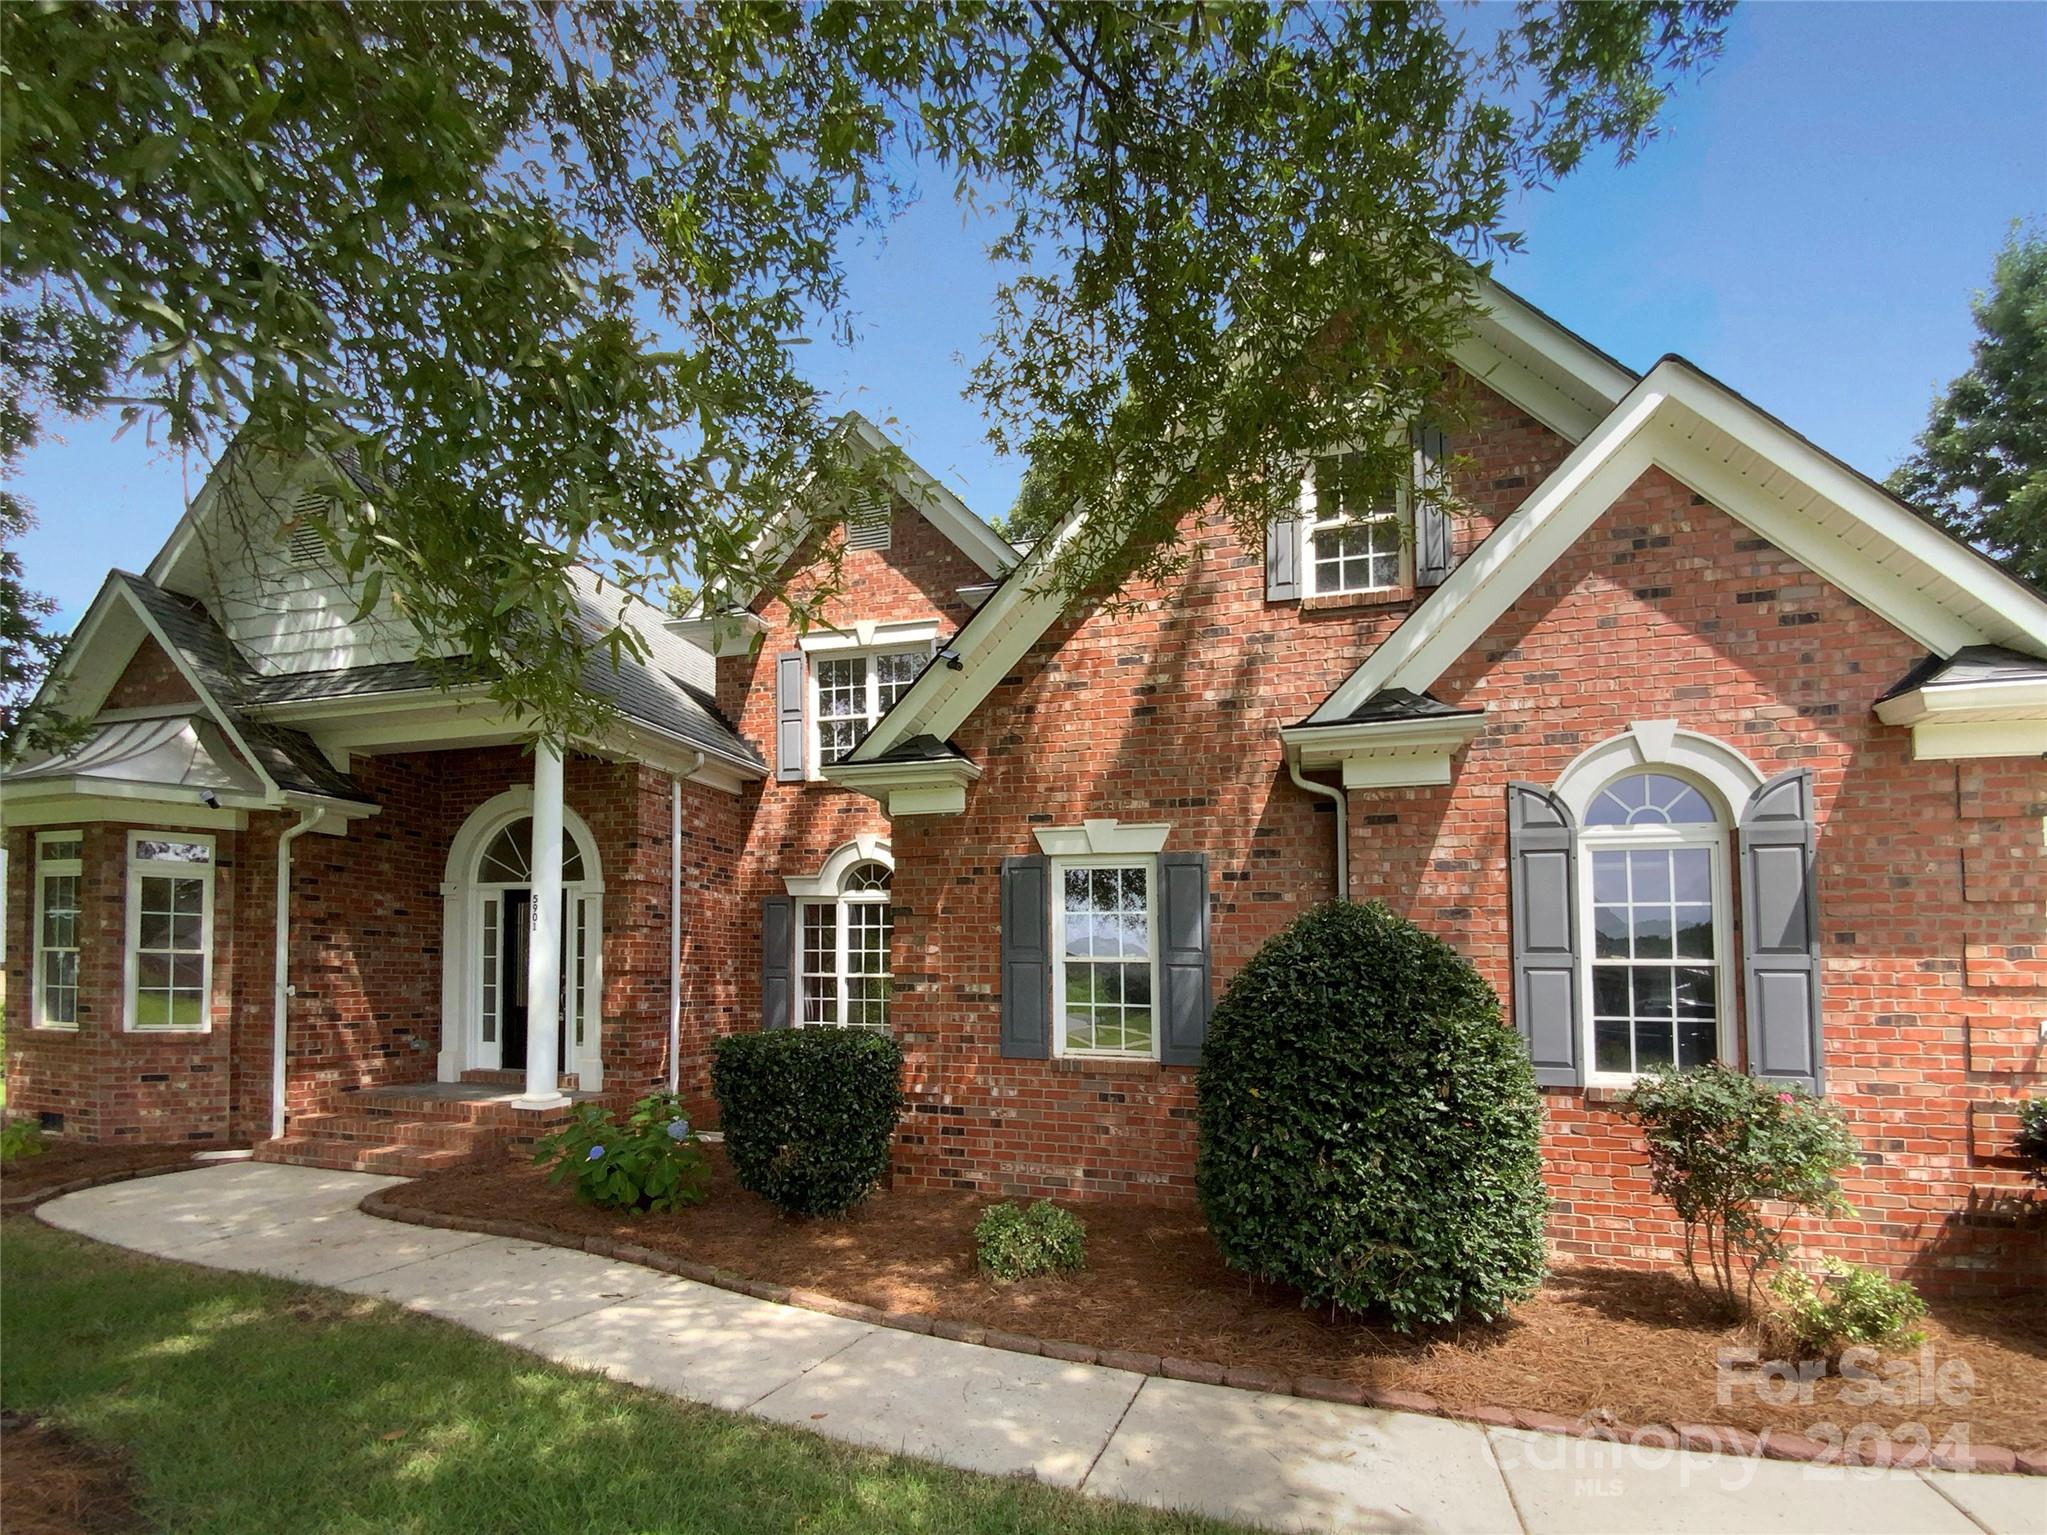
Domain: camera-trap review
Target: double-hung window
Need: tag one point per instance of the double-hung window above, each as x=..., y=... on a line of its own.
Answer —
x=58, y=868
x=1353, y=543
x=169, y=961
x=1656, y=888
x=844, y=951
x=850, y=691
x=1105, y=956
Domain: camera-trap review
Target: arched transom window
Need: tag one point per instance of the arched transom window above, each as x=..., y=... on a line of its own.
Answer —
x=509, y=858
x=845, y=950
x=1656, y=888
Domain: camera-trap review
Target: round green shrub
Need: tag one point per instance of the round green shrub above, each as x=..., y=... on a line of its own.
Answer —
x=1369, y=1126
x=1011, y=1242
x=809, y=1114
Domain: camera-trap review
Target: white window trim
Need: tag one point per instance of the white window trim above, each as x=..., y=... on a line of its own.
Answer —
x=1107, y=835
x=1056, y=879
x=137, y=869
x=1716, y=840
x=840, y=903
x=813, y=715
x=1310, y=522
x=57, y=867
x=1726, y=776
x=868, y=847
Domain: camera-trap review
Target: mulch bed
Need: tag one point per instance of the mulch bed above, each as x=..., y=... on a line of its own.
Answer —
x=26, y=1181
x=1596, y=1343
x=57, y=1485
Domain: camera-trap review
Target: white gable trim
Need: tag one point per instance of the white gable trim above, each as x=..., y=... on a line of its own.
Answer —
x=1514, y=348
x=1753, y=468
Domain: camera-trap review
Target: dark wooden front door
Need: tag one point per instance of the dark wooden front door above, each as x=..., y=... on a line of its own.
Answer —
x=515, y=943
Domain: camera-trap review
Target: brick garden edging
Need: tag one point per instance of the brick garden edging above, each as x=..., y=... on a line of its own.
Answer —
x=21, y=1204
x=1772, y=1444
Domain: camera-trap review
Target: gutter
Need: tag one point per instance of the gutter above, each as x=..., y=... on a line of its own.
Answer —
x=675, y=925
x=1341, y=801
x=281, y=985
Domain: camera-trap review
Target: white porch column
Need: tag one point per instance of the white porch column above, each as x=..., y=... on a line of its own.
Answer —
x=543, y=953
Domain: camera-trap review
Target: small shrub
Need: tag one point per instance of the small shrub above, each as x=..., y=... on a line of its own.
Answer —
x=1722, y=1146
x=809, y=1114
x=1850, y=1306
x=1012, y=1242
x=2032, y=1138
x=19, y=1139
x=652, y=1162
x=1369, y=1125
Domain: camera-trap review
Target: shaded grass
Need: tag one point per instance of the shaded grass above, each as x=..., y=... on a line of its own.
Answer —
x=246, y=1403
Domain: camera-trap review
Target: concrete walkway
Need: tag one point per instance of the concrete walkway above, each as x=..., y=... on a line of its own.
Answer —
x=1269, y=1460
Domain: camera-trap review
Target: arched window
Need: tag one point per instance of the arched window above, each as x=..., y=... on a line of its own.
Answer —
x=845, y=950
x=509, y=858
x=1656, y=894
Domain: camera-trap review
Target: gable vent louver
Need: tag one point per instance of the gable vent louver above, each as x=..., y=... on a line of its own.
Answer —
x=305, y=547
x=871, y=522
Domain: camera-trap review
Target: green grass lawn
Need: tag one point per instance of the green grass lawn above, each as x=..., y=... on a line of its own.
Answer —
x=248, y=1404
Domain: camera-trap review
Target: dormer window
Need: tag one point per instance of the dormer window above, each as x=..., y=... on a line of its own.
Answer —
x=1350, y=544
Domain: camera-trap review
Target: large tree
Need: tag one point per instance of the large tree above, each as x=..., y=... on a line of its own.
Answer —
x=1980, y=465
x=531, y=274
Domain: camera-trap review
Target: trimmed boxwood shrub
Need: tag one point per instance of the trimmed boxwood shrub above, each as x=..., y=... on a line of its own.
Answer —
x=809, y=1114
x=1012, y=1242
x=1369, y=1126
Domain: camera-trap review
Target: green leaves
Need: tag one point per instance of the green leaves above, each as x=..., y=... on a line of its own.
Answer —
x=1980, y=466
x=1738, y=1157
x=1369, y=1126
x=1012, y=1242
x=548, y=260
x=651, y=1163
x=809, y=1115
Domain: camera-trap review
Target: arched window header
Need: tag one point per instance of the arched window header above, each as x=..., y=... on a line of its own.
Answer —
x=847, y=869
x=1697, y=761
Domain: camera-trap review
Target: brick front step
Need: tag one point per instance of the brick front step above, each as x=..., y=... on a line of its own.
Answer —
x=508, y=1078
x=384, y=1129
x=401, y=1161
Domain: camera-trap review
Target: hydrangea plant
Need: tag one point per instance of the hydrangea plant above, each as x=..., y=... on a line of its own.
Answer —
x=651, y=1162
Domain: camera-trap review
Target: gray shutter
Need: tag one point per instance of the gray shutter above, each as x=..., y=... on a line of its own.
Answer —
x=1780, y=931
x=1283, y=561
x=1432, y=552
x=1542, y=853
x=1183, y=957
x=789, y=752
x=1026, y=959
x=777, y=947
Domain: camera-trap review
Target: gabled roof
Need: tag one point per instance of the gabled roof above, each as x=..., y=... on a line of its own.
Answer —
x=919, y=489
x=1840, y=523
x=1843, y=526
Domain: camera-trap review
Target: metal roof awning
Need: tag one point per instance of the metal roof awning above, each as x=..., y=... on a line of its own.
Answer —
x=187, y=754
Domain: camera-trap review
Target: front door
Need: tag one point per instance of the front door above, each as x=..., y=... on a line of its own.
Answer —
x=515, y=944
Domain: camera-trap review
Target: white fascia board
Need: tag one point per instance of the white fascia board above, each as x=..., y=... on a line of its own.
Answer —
x=80, y=650
x=939, y=506
x=870, y=633
x=1639, y=435
x=1599, y=375
x=2017, y=699
x=1381, y=754
x=59, y=802
x=937, y=787
x=1938, y=741
x=1521, y=386
x=1489, y=579
x=722, y=634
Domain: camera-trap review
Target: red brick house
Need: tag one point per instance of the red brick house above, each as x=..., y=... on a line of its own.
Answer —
x=1698, y=743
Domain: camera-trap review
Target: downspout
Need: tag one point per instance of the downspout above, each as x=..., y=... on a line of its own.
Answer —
x=1341, y=801
x=281, y=987
x=675, y=925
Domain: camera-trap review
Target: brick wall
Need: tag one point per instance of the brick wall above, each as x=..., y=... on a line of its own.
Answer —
x=150, y=677
x=367, y=951
x=791, y=828
x=1930, y=874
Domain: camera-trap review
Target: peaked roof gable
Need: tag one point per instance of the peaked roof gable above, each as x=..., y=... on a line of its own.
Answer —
x=1750, y=465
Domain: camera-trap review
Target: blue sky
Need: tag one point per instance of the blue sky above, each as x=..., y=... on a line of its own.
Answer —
x=1809, y=228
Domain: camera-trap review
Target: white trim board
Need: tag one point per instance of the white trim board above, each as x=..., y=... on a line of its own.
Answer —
x=1938, y=591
